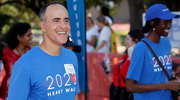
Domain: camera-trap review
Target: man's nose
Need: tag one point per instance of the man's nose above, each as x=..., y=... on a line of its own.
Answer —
x=62, y=24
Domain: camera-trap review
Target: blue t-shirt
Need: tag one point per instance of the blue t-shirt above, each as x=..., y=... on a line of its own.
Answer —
x=40, y=76
x=145, y=69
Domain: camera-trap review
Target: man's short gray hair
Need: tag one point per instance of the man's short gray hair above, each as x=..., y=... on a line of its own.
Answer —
x=44, y=7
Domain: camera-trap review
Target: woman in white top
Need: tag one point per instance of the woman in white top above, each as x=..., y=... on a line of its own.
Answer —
x=104, y=38
x=91, y=34
x=133, y=37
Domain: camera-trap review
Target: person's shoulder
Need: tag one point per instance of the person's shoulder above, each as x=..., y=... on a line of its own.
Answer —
x=67, y=51
x=33, y=50
x=141, y=44
x=140, y=47
x=30, y=54
x=106, y=29
x=165, y=42
x=68, y=54
x=163, y=39
x=7, y=49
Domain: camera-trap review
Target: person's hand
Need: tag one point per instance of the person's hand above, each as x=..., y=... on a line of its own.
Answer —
x=174, y=85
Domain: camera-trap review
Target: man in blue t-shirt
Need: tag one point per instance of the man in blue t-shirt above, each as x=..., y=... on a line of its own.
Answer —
x=48, y=71
x=145, y=77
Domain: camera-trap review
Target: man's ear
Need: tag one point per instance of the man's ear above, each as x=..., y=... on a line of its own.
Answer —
x=42, y=25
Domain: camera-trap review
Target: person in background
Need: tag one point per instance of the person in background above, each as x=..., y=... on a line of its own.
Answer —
x=176, y=70
x=104, y=38
x=105, y=12
x=18, y=40
x=145, y=77
x=91, y=33
x=132, y=38
x=70, y=45
x=120, y=70
x=48, y=71
x=2, y=46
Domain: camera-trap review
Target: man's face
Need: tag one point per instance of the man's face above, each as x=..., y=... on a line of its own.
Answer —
x=55, y=24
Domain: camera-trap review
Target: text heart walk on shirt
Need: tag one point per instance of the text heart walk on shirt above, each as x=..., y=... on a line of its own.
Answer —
x=40, y=76
x=145, y=70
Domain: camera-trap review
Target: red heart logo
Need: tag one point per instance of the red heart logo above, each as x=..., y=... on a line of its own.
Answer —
x=73, y=78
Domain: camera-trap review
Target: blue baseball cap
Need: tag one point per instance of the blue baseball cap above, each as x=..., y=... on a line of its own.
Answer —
x=70, y=43
x=159, y=11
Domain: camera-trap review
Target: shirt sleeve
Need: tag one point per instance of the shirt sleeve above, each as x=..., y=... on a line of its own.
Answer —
x=136, y=64
x=19, y=85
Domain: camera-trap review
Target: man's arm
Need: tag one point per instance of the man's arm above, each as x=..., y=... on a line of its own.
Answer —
x=76, y=97
x=132, y=86
x=19, y=85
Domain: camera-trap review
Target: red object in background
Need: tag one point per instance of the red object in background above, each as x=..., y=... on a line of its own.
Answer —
x=99, y=81
x=9, y=58
x=176, y=59
x=125, y=62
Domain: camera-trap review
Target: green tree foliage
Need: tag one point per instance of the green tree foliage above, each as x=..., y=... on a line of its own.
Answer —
x=173, y=5
x=12, y=12
x=4, y=21
x=95, y=3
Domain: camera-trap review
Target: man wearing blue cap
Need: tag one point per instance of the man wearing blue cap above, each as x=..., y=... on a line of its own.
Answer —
x=145, y=77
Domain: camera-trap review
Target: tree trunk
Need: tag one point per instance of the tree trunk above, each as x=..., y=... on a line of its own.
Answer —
x=136, y=8
x=177, y=3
